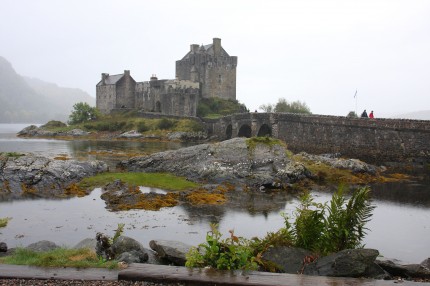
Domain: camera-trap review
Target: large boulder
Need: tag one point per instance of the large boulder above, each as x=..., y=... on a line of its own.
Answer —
x=172, y=251
x=287, y=259
x=3, y=247
x=126, y=244
x=90, y=243
x=345, y=263
x=42, y=176
x=398, y=268
x=238, y=160
x=42, y=246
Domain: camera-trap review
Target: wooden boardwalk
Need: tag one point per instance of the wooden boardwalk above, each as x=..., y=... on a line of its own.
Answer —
x=31, y=272
x=172, y=274
x=159, y=273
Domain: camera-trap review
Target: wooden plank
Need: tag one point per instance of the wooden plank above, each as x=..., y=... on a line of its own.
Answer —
x=31, y=272
x=169, y=274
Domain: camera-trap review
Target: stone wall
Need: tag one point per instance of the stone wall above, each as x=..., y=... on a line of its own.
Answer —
x=371, y=140
x=105, y=98
x=170, y=97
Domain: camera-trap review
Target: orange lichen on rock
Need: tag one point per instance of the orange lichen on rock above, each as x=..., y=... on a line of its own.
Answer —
x=75, y=190
x=201, y=197
x=27, y=190
x=151, y=202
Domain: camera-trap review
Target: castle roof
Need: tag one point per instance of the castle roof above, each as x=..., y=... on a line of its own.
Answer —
x=111, y=79
x=206, y=49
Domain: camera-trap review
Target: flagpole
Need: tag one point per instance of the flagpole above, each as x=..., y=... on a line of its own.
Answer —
x=355, y=96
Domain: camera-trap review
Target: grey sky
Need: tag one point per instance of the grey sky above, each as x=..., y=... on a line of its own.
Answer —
x=317, y=51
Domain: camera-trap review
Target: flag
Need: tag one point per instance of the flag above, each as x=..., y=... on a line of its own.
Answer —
x=355, y=95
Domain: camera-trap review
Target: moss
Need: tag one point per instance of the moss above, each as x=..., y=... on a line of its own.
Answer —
x=156, y=180
x=11, y=154
x=4, y=221
x=252, y=143
x=62, y=158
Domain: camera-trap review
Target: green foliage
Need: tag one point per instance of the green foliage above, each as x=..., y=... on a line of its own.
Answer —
x=60, y=257
x=252, y=142
x=154, y=180
x=4, y=221
x=142, y=126
x=352, y=114
x=342, y=228
x=231, y=253
x=217, y=107
x=83, y=112
x=110, y=126
x=165, y=124
x=11, y=154
x=54, y=124
x=284, y=106
x=118, y=232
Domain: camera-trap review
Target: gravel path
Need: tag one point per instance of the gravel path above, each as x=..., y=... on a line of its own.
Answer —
x=28, y=282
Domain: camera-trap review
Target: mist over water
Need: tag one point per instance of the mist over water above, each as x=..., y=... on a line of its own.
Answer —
x=400, y=226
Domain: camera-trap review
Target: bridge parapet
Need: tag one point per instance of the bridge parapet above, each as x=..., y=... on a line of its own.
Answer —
x=372, y=140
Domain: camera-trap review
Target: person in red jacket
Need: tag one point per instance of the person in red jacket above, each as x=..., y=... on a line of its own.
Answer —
x=371, y=114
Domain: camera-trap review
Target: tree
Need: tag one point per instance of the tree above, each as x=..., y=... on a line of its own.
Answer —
x=82, y=112
x=284, y=106
x=352, y=114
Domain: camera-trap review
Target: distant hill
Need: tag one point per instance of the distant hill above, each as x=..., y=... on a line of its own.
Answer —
x=418, y=115
x=30, y=100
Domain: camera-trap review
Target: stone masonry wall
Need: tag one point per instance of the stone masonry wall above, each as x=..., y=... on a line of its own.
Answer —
x=371, y=140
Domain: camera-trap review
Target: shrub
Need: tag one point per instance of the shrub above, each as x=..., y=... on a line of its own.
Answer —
x=231, y=253
x=165, y=123
x=342, y=228
x=142, y=126
x=83, y=112
x=54, y=124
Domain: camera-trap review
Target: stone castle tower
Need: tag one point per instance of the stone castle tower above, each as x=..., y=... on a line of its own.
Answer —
x=205, y=71
x=212, y=67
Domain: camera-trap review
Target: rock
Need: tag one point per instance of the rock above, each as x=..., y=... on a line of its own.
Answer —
x=426, y=263
x=28, y=131
x=126, y=244
x=130, y=134
x=90, y=243
x=42, y=176
x=187, y=136
x=3, y=247
x=77, y=132
x=354, y=165
x=397, y=268
x=42, y=246
x=288, y=259
x=173, y=251
x=345, y=263
x=103, y=247
x=231, y=160
x=133, y=256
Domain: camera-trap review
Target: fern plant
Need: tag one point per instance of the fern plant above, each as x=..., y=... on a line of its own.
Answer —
x=327, y=228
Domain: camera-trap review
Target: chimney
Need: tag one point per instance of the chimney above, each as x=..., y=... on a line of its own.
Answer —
x=104, y=77
x=194, y=48
x=127, y=72
x=153, y=77
x=217, y=46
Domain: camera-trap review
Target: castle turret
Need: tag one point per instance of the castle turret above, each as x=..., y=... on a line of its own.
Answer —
x=217, y=46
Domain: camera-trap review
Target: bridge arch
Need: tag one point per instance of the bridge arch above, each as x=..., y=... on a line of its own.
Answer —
x=264, y=130
x=245, y=131
x=229, y=132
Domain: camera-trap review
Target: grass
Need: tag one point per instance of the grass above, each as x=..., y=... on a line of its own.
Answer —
x=60, y=257
x=11, y=154
x=155, y=180
x=4, y=221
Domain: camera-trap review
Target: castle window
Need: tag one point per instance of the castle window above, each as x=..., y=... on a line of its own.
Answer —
x=219, y=78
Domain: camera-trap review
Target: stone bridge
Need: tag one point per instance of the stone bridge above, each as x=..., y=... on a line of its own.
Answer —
x=371, y=140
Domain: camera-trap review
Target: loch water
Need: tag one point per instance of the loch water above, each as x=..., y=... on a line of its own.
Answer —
x=400, y=226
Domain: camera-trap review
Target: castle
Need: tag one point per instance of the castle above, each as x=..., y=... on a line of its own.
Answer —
x=205, y=71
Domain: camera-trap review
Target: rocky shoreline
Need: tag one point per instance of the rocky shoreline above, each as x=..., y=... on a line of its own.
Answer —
x=346, y=263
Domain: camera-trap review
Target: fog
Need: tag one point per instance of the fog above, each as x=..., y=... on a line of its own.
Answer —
x=318, y=52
